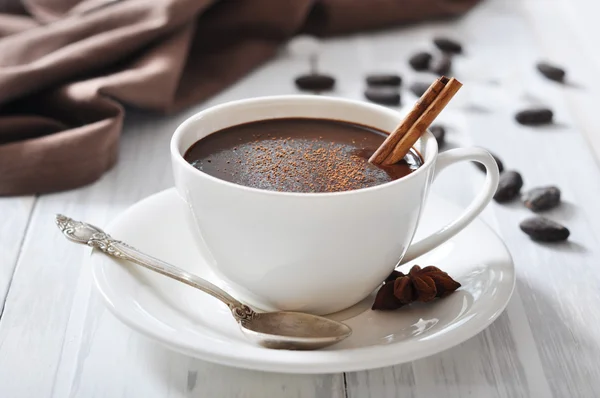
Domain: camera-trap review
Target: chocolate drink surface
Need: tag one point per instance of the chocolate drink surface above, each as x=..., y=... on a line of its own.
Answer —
x=297, y=155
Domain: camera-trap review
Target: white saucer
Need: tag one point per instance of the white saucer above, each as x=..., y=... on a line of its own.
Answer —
x=195, y=324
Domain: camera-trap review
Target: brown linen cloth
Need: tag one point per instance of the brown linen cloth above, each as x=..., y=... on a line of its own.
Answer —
x=66, y=66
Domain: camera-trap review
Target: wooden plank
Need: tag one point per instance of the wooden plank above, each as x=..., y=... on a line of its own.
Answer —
x=139, y=367
x=14, y=218
x=567, y=34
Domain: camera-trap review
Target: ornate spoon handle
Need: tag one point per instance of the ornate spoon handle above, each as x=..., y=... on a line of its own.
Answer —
x=90, y=235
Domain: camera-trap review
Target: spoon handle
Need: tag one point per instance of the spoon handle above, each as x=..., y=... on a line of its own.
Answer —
x=90, y=235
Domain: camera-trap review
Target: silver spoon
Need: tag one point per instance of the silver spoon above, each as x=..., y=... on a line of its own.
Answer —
x=280, y=330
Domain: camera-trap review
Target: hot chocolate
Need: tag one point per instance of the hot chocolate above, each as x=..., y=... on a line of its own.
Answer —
x=297, y=155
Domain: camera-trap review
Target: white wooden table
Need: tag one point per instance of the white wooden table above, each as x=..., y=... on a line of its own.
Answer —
x=57, y=339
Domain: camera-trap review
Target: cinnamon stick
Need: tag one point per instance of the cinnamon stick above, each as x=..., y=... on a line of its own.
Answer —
x=423, y=122
x=429, y=106
x=420, y=106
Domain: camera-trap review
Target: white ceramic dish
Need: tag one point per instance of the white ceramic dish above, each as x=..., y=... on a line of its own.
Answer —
x=195, y=324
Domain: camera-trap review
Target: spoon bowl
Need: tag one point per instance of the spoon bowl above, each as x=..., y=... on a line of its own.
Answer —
x=279, y=330
x=294, y=330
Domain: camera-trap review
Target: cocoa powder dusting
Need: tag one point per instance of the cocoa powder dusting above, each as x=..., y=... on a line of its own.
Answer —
x=297, y=155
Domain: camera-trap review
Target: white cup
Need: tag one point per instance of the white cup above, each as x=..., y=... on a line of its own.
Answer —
x=312, y=252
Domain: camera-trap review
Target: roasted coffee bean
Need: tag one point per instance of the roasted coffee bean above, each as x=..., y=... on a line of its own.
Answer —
x=315, y=82
x=439, y=132
x=384, y=80
x=448, y=45
x=498, y=162
x=509, y=186
x=383, y=95
x=442, y=66
x=543, y=198
x=420, y=61
x=551, y=72
x=419, y=88
x=544, y=230
x=534, y=116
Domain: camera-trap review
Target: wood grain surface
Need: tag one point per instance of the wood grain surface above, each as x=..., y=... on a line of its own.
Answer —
x=57, y=339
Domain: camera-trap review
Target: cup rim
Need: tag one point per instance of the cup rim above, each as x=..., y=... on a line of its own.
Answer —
x=177, y=156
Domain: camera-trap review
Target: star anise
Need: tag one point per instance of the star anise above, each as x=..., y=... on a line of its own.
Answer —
x=421, y=284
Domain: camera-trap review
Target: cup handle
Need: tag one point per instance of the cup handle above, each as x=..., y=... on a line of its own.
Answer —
x=484, y=197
